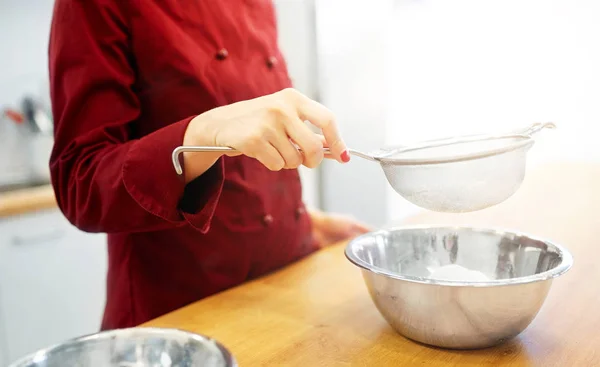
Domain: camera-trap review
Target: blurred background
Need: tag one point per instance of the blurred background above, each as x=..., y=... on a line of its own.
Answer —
x=393, y=71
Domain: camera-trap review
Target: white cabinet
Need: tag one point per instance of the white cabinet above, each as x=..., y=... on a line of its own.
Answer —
x=52, y=282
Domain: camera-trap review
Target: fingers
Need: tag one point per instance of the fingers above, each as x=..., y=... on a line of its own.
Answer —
x=344, y=227
x=318, y=115
x=291, y=156
x=360, y=228
x=275, y=133
x=326, y=154
x=288, y=134
x=332, y=228
x=274, y=148
x=270, y=157
x=310, y=143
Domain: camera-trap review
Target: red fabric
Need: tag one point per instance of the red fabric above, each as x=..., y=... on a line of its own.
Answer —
x=126, y=78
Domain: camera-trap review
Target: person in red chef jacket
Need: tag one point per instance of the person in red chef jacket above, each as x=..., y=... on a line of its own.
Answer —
x=132, y=80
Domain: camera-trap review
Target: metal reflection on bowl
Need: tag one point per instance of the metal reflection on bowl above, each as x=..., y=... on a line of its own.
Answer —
x=134, y=347
x=397, y=265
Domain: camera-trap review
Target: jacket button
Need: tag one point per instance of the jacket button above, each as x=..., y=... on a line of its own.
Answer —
x=299, y=212
x=222, y=54
x=271, y=62
x=268, y=219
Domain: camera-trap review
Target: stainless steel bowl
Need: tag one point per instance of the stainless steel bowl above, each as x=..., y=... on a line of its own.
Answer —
x=139, y=347
x=399, y=267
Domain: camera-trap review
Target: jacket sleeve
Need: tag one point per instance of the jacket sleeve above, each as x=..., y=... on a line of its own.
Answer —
x=105, y=178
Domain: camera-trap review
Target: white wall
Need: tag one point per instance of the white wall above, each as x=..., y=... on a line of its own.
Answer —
x=353, y=58
x=468, y=66
x=403, y=70
x=24, y=27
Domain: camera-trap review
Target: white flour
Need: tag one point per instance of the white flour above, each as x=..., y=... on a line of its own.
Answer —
x=457, y=272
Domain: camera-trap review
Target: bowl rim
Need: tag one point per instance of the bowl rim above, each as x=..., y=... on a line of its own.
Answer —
x=230, y=361
x=565, y=264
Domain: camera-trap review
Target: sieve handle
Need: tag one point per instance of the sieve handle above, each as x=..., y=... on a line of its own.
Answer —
x=177, y=151
x=535, y=128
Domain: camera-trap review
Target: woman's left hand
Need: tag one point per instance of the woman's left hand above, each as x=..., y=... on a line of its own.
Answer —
x=329, y=229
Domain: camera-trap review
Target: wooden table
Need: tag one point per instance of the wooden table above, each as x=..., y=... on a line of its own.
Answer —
x=26, y=200
x=317, y=312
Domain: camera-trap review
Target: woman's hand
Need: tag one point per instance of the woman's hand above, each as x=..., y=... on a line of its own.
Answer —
x=329, y=229
x=267, y=128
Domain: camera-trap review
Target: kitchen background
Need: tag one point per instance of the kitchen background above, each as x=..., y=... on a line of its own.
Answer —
x=392, y=70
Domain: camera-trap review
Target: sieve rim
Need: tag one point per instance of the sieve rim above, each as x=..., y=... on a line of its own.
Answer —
x=521, y=141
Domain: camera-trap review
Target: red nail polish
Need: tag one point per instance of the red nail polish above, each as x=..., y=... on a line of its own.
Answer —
x=345, y=156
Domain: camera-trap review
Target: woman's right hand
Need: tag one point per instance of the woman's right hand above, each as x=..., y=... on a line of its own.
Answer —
x=266, y=128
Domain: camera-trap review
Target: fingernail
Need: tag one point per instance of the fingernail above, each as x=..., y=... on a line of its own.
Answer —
x=345, y=156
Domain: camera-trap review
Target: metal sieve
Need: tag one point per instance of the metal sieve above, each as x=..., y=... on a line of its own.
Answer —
x=455, y=175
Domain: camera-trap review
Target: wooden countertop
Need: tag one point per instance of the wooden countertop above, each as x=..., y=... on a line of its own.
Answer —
x=26, y=200
x=317, y=312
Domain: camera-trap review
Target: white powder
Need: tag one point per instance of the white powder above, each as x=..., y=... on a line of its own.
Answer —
x=457, y=272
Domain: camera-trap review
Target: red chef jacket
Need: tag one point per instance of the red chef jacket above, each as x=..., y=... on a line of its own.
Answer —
x=126, y=78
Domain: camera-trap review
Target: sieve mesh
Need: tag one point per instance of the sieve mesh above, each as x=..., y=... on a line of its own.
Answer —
x=459, y=186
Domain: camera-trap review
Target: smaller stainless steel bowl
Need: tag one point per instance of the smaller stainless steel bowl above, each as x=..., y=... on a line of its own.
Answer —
x=398, y=266
x=139, y=347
